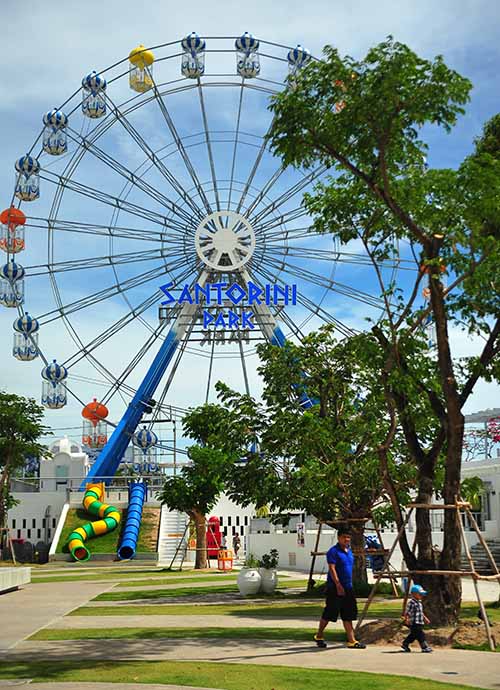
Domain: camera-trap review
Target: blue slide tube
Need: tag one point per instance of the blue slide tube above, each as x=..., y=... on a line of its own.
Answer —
x=137, y=493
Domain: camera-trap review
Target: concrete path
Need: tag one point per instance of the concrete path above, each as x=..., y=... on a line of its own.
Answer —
x=162, y=621
x=478, y=669
x=35, y=606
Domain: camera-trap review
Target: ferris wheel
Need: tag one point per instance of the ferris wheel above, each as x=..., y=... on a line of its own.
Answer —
x=162, y=233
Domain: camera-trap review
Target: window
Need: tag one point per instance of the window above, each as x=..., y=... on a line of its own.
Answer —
x=242, y=530
x=246, y=521
x=220, y=521
x=234, y=531
x=33, y=522
x=229, y=521
x=44, y=523
x=19, y=534
x=13, y=524
x=24, y=524
x=54, y=522
x=39, y=534
x=29, y=534
x=237, y=521
x=49, y=533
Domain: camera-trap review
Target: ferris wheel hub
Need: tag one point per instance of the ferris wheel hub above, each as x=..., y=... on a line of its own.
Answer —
x=224, y=240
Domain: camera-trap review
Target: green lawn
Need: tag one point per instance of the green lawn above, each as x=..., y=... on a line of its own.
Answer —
x=181, y=591
x=278, y=634
x=213, y=675
x=272, y=610
x=279, y=609
x=103, y=575
x=146, y=580
x=108, y=543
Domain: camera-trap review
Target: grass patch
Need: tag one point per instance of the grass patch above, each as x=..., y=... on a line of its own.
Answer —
x=181, y=591
x=120, y=574
x=214, y=675
x=218, y=577
x=153, y=576
x=278, y=609
x=108, y=543
x=272, y=610
x=278, y=634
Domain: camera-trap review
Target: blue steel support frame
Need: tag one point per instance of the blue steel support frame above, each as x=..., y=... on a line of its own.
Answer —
x=111, y=455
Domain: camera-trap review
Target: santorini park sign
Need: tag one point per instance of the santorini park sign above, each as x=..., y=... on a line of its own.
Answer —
x=223, y=303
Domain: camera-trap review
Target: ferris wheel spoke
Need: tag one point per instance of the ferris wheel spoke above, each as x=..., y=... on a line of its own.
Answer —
x=287, y=217
x=134, y=313
x=209, y=144
x=131, y=177
x=235, y=147
x=102, y=295
x=138, y=234
x=289, y=193
x=282, y=234
x=180, y=146
x=315, y=309
x=109, y=200
x=157, y=162
x=337, y=256
x=99, y=262
x=265, y=189
x=324, y=282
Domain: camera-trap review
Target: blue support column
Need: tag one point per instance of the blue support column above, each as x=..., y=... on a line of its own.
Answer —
x=110, y=457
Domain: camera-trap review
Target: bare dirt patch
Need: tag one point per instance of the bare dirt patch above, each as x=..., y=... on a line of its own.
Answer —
x=393, y=632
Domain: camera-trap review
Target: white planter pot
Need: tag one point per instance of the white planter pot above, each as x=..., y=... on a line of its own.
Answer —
x=249, y=581
x=269, y=580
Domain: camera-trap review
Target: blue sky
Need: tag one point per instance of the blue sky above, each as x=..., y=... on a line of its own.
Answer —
x=62, y=43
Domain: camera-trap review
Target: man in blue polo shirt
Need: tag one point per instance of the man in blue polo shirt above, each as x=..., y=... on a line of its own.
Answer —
x=340, y=597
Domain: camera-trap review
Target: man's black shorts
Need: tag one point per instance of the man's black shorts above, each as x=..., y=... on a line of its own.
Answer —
x=346, y=606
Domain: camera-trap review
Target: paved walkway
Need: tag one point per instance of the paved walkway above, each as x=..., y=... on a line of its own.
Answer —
x=35, y=606
x=479, y=669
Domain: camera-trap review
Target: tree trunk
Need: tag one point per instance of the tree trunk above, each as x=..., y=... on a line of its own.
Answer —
x=451, y=555
x=358, y=549
x=201, y=539
x=451, y=588
x=425, y=552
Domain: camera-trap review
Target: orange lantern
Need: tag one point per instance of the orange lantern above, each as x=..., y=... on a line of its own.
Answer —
x=12, y=236
x=94, y=428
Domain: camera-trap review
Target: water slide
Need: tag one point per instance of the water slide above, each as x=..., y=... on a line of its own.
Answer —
x=110, y=519
x=137, y=493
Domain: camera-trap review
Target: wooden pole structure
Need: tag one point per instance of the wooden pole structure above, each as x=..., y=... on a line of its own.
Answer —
x=387, y=559
x=313, y=559
x=473, y=571
x=379, y=537
x=484, y=543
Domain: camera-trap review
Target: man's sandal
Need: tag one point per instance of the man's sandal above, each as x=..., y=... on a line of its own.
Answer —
x=320, y=641
x=356, y=645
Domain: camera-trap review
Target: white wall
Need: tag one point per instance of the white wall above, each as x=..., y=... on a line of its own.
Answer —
x=234, y=519
x=36, y=516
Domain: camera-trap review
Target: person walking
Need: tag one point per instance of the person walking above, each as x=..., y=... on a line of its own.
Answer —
x=340, y=599
x=236, y=544
x=415, y=619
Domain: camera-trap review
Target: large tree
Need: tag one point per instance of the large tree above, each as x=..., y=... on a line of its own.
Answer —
x=364, y=120
x=320, y=428
x=20, y=428
x=196, y=489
